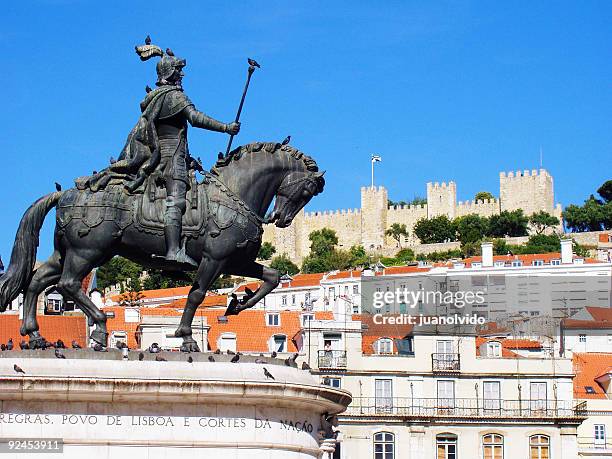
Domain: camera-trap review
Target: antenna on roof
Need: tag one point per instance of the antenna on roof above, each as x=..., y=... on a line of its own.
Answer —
x=541, y=155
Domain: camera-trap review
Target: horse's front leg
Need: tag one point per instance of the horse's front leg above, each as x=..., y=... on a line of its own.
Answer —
x=270, y=278
x=208, y=271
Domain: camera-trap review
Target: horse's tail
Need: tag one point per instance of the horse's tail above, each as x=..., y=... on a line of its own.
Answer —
x=23, y=257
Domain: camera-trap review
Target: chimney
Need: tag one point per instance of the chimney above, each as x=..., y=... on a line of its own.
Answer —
x=566, y=252
x=487, y=254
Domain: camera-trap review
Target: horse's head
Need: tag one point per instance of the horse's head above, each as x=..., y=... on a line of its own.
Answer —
x=294, y=192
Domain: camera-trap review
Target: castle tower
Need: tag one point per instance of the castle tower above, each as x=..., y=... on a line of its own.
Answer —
x=531, y=191
x=441, y=199
x=374, y=209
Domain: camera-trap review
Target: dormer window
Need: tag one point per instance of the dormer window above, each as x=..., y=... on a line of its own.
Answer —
x=459, y=265
x=383, y=346
x=500, y=264
x=477, y=264
x=273, y=319
x=537, y=262
x=579, y=261
x=555, y=262
x=517, y=263
x=494, y=349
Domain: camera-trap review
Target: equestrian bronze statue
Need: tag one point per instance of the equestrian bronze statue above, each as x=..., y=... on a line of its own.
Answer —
x=149, y=206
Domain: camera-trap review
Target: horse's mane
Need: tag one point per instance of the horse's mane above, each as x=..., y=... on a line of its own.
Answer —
x=268, y=147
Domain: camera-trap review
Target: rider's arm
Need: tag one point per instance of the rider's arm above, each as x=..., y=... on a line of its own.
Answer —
x=201, y=120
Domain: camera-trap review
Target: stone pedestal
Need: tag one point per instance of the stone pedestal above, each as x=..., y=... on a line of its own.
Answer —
x=105, y=407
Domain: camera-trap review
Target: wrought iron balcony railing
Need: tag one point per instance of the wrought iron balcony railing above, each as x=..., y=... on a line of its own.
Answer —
x=332, y=359
x=443, y=362
x=463, y=408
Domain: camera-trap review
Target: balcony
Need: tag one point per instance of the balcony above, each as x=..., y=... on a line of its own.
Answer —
x=332, y=360
x=445, y=363
x=463, y=408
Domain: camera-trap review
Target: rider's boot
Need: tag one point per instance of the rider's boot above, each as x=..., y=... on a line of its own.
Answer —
x=176, y=256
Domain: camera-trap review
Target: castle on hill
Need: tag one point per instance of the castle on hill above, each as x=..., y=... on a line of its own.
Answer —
x=531, y=191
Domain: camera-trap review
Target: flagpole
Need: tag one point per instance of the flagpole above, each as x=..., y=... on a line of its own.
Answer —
x=372, y=162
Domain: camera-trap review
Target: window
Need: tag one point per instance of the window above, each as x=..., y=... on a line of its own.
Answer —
x=476, y=264
x=499, y=264
x=539, y=447
x=355, y=289
x=582, y=338
x=227, y=341
x=332, y=382
x=556, y=262
x=293, y=300
x=492, y=446
x=332, y=293
x=538, y=263
x=383, y=346
x=279, y=343
x=307, y=318
x=383, y=390
x=491, y=396
x=132, y=315
x=273, y=320
x=54, y=305
x=600, y=434
x=346, y=290
x=446, y=394
x=446, y=446
x=384, y=445
x=538, y=396
x=307, y=297
x=579, y=261
x=517, y=263
x=284, y=300
x=494, y=349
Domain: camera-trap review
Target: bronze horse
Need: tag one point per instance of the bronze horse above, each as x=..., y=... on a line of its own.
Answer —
x=239, y=191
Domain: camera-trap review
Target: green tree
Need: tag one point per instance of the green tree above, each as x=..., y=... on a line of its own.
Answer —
x=593, y=215
x=359, y=257
x=605, y=191
x=118, y=270
x=437, y=229
x=508, y=223
x=483, y=196
x=471, y=228
x=397, y=231
x=405, y=256
x=284, y=265
x=156, y=279
x=266, y=251
x=322, y=241
x=542, y=220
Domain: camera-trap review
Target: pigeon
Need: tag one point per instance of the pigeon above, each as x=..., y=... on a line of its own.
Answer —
x=148, y=89
x=305, y=366
x=211, y=358
x=154, y=348
x=286, y=141
x=18, y=369
x=326, y=381
x=253, y=63
x=59, y=354
x=220, y=155
x=288, y=362
x=98, y=348
x=75, y=345
x=268, y=374
x=23, y=345
x=218, y=351
x=169, y=52
x=10, y=345
x=260, y=361
x=58, y=187
x=159, y=358
x=235, y=358
x=2, y=347
x=273, y=355
x=59, y=344
x=94, y=172
x=230, y=352
x=120, y=345
x=148, y=40
x=141, y=356
x=112, y=160
x=248, y=291
x=190, y=359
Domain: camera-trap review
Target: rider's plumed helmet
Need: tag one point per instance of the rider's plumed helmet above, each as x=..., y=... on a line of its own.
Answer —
x=168, y=67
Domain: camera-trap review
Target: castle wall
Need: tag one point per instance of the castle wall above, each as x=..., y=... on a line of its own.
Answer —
x=483, y=208
x=346, y=224
x=407, y=215
x=531, y=191
x=374, y=212
x=441, y=199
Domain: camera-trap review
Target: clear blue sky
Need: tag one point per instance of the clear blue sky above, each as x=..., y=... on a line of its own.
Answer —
x=441, y=90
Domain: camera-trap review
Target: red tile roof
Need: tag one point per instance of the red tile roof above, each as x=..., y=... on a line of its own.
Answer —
x=600, y=314
x=589, y=366
x=602, y=319
x=372, y=332
x=509, y=346
x=527, y=259
x=175, y=292
x=66, y=328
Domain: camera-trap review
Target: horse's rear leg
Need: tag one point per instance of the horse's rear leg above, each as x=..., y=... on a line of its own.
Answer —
x=207, y=273
x=45, y=276
x=76, y=267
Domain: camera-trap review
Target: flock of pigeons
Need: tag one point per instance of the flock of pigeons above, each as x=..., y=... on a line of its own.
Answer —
x=153, y=349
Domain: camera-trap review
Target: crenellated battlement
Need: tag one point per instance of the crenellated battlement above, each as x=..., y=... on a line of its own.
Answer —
x=433, y=186
x=332, y=213
x=411, y=207
x=524, y=173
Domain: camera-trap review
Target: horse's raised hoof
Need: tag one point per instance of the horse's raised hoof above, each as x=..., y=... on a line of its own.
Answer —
x=190, y=346
x=99, y=337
